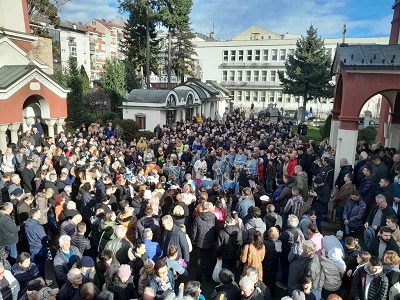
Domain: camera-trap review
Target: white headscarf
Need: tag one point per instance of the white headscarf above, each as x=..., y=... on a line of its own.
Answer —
x=335, y=254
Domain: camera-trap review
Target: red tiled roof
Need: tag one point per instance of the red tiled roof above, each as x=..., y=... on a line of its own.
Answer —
x=84, y=27
x=108, y=24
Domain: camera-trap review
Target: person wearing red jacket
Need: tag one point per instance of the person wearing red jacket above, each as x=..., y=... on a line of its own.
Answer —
x=292, y=163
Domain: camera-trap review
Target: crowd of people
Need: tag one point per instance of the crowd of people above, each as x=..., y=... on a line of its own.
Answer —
x=237, y=201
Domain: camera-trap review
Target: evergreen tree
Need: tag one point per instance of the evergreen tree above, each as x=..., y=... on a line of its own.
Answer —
x=308, y=70
x=141, y=15
x=112, y=81
x=85, y=80
x=75, y=103
x=131, y=81
x=183, y=53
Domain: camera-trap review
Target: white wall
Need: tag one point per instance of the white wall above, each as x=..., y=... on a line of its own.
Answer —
x=12, y=15
x=153, y=117
x=82, y=49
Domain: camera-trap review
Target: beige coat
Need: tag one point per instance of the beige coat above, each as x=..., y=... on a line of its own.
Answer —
x=253, y=259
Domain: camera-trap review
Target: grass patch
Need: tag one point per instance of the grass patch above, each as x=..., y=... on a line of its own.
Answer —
x=313, y=133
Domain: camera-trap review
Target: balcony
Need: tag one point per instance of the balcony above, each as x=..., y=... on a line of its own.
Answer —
x=252, y=84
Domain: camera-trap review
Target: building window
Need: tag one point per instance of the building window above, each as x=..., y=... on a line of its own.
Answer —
x=239, y=95
x=262, y=96
x=265, y=54
x=233, y=55
x=271, y=97
x=240, y=55
x=279, y=97
x=224, y=75
x=247, y=95
x=240, y=75
x=248, y=75
x=274, y=55
x=113, y=40
x=264, y=76
x=257, y=55
x=297, y=99
x=141, y=121
x=232, y=76
x=72, y=51
x=256, y=75
x=255, y=96
x=287, y=98
x=225, y=55
x=249, y=54
x=273, y=76
x=283, y=54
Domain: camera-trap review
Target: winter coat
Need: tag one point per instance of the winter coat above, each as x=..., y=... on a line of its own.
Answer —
x=320, y=202
x=273, y=251
x=304, y=222
x=8, y=230
x=149, y=222
x=205, y=230
x=351, y=259
x=290, y=166
x=82, y=243
x=62, y=264
x=331, y=274
x=178, y=238
x=27, y=178
x=67, y=292
x=242, y=208
x=286, y=193
x=302, y=183
x=119, y=248
x=253, y=257
x=354, y=212
x=288, y=238
x=88, y=202
x=13, y=284
x=153, y=249
x=305, y=265
x=42, y=203
x=131, y=223
x=157, y=286
x=374, y=246
x=346, y=169
x=35, y=234
x=230, y=291
x=388, y=192
x=107, y=229
x=253, y=225
x=367, y=189
x=378, y=287
x=122, y=290
x=25, y=275
x=382, y=171
x=387, y=211
x=343, y=194
x=326, y=172
x=228, y=243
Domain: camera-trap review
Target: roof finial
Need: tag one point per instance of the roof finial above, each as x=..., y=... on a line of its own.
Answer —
x=31, y=58
x=344, y=34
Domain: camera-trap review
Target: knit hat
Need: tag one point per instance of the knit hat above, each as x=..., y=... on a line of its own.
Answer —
x=298, y=295
x=87, y=262
x=45, y=292
x=339, y=233
x=124, y=271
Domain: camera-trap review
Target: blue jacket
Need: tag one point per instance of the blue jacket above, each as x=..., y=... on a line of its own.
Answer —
x=158, y=287
x=354, y=212
x=153, y=250
x=25, y=275
x=35, y=234
x=242, y=208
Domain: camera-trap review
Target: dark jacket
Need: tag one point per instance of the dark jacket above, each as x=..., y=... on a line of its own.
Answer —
x=382, y=171
x=25, y=275
x=385, y=213
x=67, y=292
x=62, y=264
x=230, y=291
x=388, y=191
x=390, y=245
x=367, y=189
x=242, y=208
x=354, y=212
x=256, y=295
x=320, y=202
x=327, y=173
x=122, y=290
x=286, y=193
x=351, y=259
x=8, y=230
x=178, y=238
x=228, y=243
x=28, y=183
x=119, y=248
x=205, y=230
x=158, y=287
x=378, y=287
x=273, y=250
x=82, y=243
x=149, y=222
x=88, y=201
x=346, y=169
x=35, y=234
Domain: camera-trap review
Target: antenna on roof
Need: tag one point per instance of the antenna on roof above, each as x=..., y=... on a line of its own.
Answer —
x=344, y=34
x=211, y=23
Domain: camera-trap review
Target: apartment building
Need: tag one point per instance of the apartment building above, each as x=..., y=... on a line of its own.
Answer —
x=248, y=66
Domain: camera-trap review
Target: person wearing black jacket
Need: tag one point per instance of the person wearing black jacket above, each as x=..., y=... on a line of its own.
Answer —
x=345, y=168
x=28, y=176
x=381, y=208
x=204, y=237
x=72, y=286
x=228, y=287
x=228, y=245
x=327, y=172
x=173, y=235
x=273, y=250
x=387, y=189
x=383, y=242
x=373, y=273
x=321, y=196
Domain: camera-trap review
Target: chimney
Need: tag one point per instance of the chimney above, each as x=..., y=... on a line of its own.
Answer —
x=212, y=34
x=395, y=31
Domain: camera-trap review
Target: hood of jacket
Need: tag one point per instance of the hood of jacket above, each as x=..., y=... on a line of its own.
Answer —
x=366, y=269
x=29, y=223
x=207, y=216
x=256, y=223
x=232, y=230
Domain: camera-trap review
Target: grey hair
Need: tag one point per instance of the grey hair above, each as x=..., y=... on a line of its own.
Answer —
x=64, y=238
x=309, y=246
x=148, y=263
x=73, y=273
x=6, y=206
x=71, y=205
x=293, y=221
x=167, y=219
x=381, y=197
x=147, y=233
x=252, y=270
x=14, y=176
x=149, y=291
x=246, y=283
x=120, y=231
x=68, y=188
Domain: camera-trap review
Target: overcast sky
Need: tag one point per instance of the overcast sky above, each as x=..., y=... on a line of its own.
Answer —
x=364, y=18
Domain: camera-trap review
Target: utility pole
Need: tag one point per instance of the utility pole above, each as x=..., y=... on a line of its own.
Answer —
x=169, y=61
x=148, y=53
x=344, y=34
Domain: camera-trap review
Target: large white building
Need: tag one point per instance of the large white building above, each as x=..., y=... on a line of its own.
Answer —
x=248, y=66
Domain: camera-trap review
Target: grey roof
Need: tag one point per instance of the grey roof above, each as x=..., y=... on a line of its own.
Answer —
x=199, y=91
x=148, y=96
x=182, y=93
x=220, y=87
x=371, y=56
x=12, y=73
x=209, y=89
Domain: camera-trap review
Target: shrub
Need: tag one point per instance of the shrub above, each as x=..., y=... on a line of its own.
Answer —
x=368, y=135
x=129, y=129
x=144, y=133
x=326, y=129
